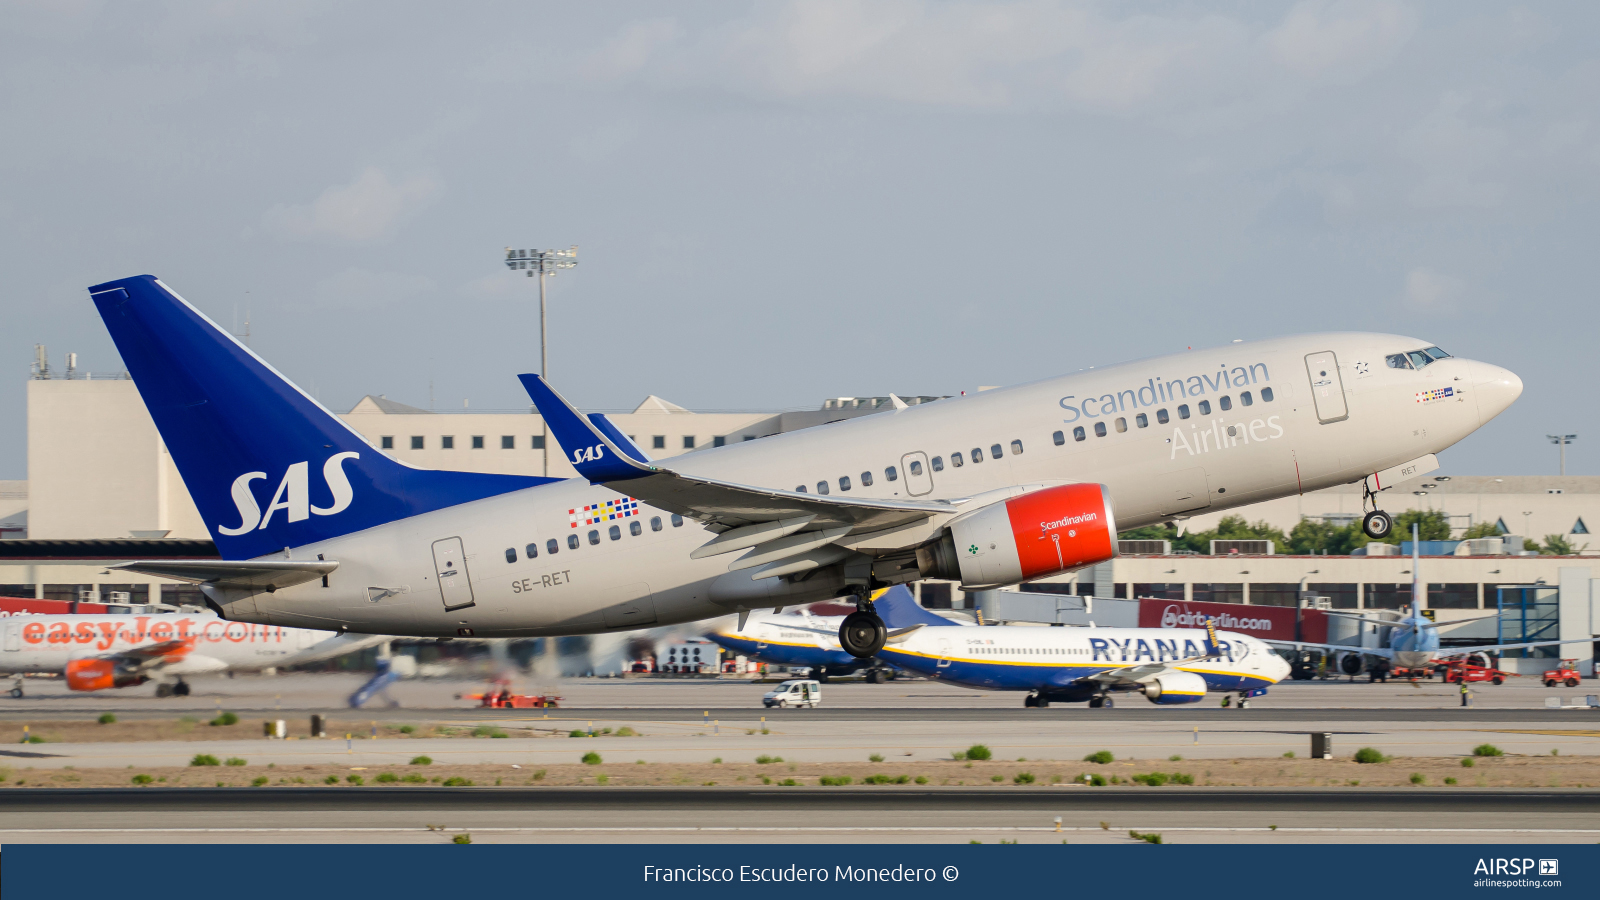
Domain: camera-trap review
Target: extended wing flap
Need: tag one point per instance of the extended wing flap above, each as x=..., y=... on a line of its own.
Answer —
x=257, y=575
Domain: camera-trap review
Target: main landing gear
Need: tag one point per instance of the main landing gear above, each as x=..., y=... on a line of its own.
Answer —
x=1376, y=524
x=1104, y=701
x=178, y=689
x=1034, y=701
x=16, y=688
x=862, y=633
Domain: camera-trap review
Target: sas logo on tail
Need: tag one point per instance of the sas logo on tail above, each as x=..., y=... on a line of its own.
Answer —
x=293, y=495
x=588, y=454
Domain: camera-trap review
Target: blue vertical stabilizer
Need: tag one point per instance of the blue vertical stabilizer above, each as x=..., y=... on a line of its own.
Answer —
x=267, y=466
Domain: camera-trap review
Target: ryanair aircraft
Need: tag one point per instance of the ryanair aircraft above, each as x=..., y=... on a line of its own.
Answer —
x=319, y=529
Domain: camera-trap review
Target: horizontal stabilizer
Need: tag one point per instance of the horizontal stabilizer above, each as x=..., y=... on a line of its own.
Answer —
x=266, y=575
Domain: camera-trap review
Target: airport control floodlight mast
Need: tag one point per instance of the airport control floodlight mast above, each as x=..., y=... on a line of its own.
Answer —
x=1563, y=440
x=542, y=263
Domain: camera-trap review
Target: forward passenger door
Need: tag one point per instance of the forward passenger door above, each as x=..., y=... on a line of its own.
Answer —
x=1327, y=388
x=450, y=565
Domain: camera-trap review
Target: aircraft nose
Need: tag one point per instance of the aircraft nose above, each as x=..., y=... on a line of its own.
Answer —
x=1497, y=389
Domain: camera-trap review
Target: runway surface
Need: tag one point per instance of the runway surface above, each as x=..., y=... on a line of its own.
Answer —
x=564, y=815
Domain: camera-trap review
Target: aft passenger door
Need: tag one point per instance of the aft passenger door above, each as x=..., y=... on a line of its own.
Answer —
x=13, y=636
x=450, y=564
x=1327, y=388
x=919, y=478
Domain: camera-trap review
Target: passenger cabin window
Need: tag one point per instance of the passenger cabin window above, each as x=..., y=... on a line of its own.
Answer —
x=1059, y=438
x=615, y=532
x=1077, y=433
x=655, y=523
x=635, y=529
x=915, y=468
x=1122, y=424
x=1142, y=420
x=1246, y=400
x=1205, y=407
x=552, y=547
x=956, y=461
x=1225, y=403
x=594, y=536
x=1162, y=417
x=1266, y=395
x=800, y=488
x=822, y=487
x=977, y=454
x=844, y=482
x=937, y=463
x=891, y=474
x=511, y=554
x=572, y=542
x=995, y=452
x=532, y=550
x=1099, y=429
x=1016, y=448
x=866, y=479
x=1183, y=410
x=677, y=520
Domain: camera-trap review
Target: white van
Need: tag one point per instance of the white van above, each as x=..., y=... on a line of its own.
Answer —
x=793, y=693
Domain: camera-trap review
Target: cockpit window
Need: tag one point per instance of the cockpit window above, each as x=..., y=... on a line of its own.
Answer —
x=1419, y=359
x=1397, y=361
x=1415, y=359
x=1436, y=353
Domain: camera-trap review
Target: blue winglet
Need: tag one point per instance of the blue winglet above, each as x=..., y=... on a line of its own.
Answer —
x=593, y=454
x=623, y=442
x=899, y=609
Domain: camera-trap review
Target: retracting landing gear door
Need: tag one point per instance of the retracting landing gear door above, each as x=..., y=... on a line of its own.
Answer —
x=450, y=563
x=1327, y=388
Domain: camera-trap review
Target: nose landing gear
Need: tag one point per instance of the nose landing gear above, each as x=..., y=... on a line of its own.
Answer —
x=1377, y=524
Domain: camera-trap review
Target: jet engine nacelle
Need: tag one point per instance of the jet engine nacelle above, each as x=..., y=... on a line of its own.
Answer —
x=1175, y=687
x=99, y=674
x=1039, y=534
x=1351, y=663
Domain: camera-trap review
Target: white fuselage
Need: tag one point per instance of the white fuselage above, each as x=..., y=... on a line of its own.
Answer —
x=1171, y=465
x=48, y=643
x=1032, y=658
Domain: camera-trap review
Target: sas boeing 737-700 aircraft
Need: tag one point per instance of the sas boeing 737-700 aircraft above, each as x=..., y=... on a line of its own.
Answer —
x=319, y=529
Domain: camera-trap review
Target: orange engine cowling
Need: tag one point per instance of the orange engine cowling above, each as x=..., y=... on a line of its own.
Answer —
x=99, y=674
x=1036, y=535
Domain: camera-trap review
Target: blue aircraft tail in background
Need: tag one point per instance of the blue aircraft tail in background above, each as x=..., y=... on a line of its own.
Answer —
x=899, y=609
x=267, y=466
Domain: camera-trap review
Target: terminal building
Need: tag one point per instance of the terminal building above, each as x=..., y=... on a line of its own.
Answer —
x=101, y=488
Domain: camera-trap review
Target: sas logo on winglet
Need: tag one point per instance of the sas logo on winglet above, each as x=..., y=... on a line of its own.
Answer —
x=588, y=454
x=293, y=495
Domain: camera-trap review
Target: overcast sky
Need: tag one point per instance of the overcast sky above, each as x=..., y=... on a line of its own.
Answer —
x=781, y=202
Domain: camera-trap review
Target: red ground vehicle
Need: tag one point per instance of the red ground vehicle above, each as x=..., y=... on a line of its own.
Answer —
x=499, y=696
x=1566, y=675
x=1458, y=670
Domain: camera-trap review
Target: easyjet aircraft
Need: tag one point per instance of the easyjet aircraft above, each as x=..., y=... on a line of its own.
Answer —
x=98, y=652
x=319, y=529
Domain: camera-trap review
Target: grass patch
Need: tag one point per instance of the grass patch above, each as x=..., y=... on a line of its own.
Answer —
x=234, y=761
x=979, y=752
x=1449, y=781
x=1418, y=778
x=1289, y=755
x=258, y=781
x=997, y=778
x=921, y=779
x=414, y=778
x=457, y=782
x=355, y=779
x=1370, y=755
x=142, y=779
x=1149, y=837
x=107, y=719
x=488, y=731
x=387, y=778
x=835, y=780
x=876, y=757
x=602, y=778
x=204, y=759
x=407, y=729
x=1023, y=778
x=422, y=760
x=1487, y=750
x=226, y=718
x=1174, y=758
x=462, y=838
x=1100, y=757
x=764, y=759
x=591, y=758
x=625, y=731
x=1153, y=779
x=331, y=779
x=1467, y=762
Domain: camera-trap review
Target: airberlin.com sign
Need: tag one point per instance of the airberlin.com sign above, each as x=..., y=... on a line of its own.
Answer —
x=1269, y=622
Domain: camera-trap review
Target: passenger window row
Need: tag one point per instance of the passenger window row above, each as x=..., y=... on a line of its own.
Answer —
x=553, y=546
x=1224, y=404
x=915, y=468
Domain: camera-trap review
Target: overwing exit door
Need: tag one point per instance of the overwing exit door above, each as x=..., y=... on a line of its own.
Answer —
x=450, y=564
x=1327, y=388
x=919, y=478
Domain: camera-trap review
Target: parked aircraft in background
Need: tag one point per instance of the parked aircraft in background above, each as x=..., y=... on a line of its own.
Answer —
x=800, y=638
x=1413, y=641
x=1074, y=665
x=99, y=652
x=317, y=528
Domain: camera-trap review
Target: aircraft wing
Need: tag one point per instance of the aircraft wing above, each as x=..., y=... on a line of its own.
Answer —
x=1384, y=652
x=709, y=501
x=256, y=575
